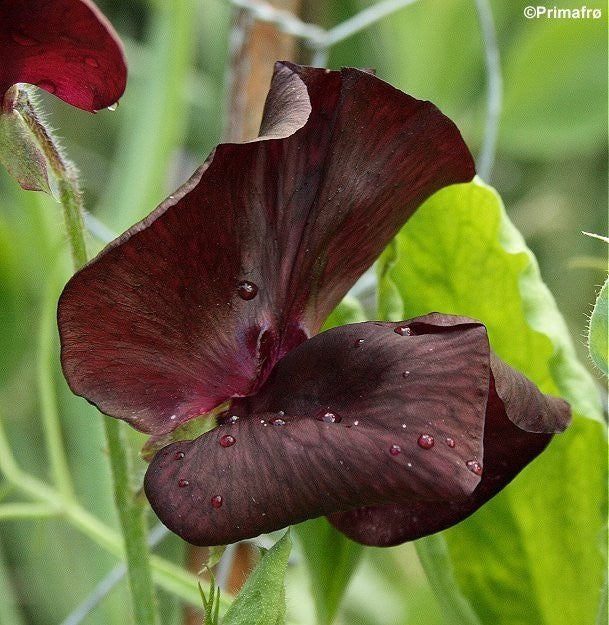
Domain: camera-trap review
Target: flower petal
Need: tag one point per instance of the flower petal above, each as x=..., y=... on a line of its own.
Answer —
x=197, y=303
x=358, y=415
x=507, y=450
x=66, y=47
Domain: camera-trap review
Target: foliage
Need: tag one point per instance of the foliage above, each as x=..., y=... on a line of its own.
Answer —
x=533, y=555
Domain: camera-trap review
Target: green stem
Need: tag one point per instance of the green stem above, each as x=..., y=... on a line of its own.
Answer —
x=71, y=200
x=131, y=515
x=166, y=574
x=12, y=511
x=46, y=393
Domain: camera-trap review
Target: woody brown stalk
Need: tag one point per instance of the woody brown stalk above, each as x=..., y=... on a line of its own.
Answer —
x=255, y=46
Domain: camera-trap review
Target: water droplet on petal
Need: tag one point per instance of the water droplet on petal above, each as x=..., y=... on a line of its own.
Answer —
x=22, y=39
x=281, y=413
x=233, y=418
x=425, y=441
x=178, y=455
x=403, y=331
x=395, y=450
x=474, y=466
x=91, y=62
x=183, y=483
x=216, y=501
x=47, y=85
x=327, y=416
x=227, y=440
x=113, y=107
x=358, y=343
x=247, y=290
x=450, y=442
x=276, y=421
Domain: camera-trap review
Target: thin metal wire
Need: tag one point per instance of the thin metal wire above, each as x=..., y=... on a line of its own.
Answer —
x=80, y=613
x=494, y=90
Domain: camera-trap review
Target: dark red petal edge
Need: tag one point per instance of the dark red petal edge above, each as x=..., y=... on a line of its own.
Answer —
x=508, y=448
x=195, y=304
x=66, y=47
x=358, y=415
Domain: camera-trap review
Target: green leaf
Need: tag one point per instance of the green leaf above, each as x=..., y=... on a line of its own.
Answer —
x=261, y=601
x=597, y=331
x=532, y=554
x=348, y=311
x=435, y=559
x=331, y=560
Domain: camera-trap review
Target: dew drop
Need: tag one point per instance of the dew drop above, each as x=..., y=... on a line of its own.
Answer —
x=356, y=423
x=227, y=440
x=403, y=331
x=474, y=466
x=328, y=416
x=183, y=483
x=358, y=343
x=247, y=290
x=91, y=62
x=395, y=450
x=405, y=374
x=233, y=418
x=450, y=442
x=22, y=39
x=47, y=85
x=425, y=441
x=276, y=421
x=216, y=501
x=113, y=107
x=178, y=455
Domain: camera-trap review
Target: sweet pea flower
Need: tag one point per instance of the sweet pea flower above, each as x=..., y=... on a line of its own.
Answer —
x=66, y=47
x=393, y=430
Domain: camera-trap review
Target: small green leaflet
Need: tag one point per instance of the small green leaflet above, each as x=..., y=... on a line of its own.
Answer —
x=261, y=601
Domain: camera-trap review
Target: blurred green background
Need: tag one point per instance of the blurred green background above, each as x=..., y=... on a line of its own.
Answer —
x=551, y=170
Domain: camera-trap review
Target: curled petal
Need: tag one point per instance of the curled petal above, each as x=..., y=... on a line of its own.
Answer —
x=519, y=424
x=198, y=302
x=66, y=47
x=360, y=415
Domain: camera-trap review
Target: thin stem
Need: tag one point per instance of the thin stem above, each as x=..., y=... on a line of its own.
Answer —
x=170, y=577
x=12, y=511
x=131, y=514
x=494, y=90
x=46, y=393
x=71, y=200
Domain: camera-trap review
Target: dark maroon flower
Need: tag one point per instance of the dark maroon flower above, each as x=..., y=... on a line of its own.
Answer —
x=66, y=47
x=216, y=294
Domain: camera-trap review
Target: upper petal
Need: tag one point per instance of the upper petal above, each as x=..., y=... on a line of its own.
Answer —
x=66, y=47
x=358, y=415
x=195, y=304
x=519, y=424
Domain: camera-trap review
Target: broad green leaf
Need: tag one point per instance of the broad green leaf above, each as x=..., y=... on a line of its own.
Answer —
x=261, y=601
x=597, y=331
x=348, y=311
x=435, y=559
x=331, y=560
x=532, y=555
